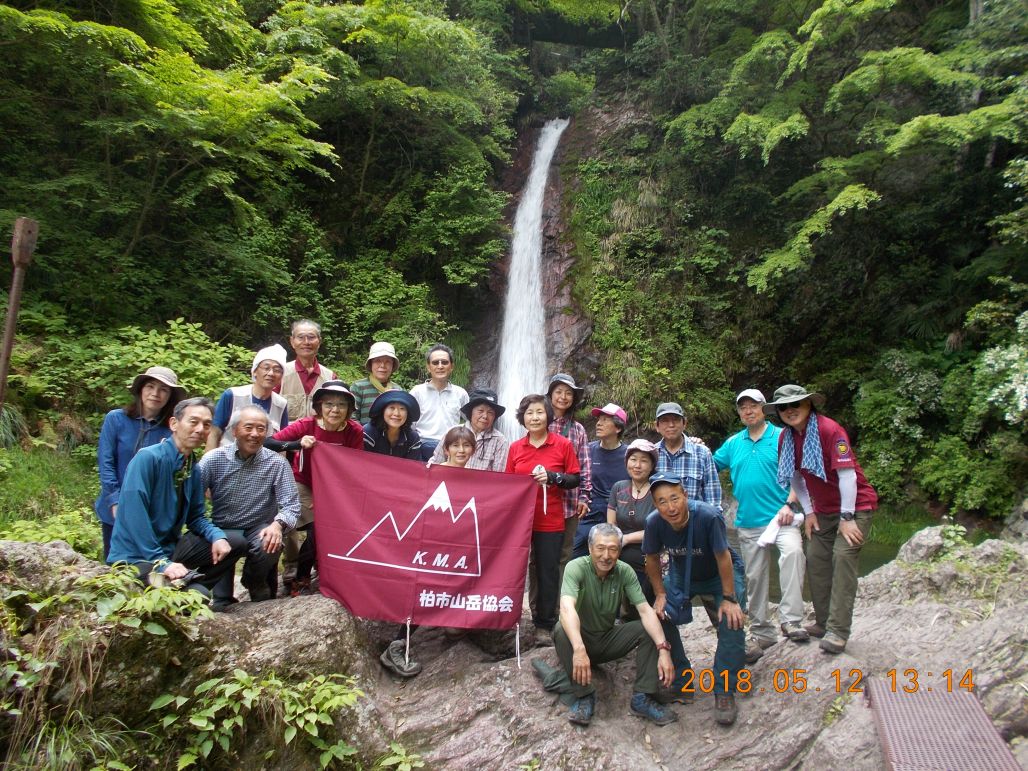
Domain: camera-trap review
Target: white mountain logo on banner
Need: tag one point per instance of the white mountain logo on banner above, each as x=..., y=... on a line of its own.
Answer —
x=447, y=542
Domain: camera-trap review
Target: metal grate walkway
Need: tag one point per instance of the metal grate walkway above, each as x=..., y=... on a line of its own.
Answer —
x=932, y=730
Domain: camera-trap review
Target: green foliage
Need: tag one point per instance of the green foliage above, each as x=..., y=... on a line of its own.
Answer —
x=400, y=758
x=48, y=678
x=92, y=372
x=212, y=723
x=799, y=251
x=953, y=537
x=77, y=527
x=566, y=93
x=42, y=483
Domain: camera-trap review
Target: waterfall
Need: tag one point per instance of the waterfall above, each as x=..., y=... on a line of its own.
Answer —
x=522, y=368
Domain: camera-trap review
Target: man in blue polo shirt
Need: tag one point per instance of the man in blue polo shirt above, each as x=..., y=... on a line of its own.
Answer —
x=701, y=562
x=751, y=456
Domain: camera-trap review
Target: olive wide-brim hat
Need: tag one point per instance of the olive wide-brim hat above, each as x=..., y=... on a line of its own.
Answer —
x=790, y=394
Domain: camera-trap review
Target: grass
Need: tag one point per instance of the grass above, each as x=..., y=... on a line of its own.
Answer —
x=41, y=483
x=894, y=527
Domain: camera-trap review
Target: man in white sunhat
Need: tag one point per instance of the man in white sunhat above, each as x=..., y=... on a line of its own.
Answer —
x=305, y=373
x=439, y=399
x=751, y=457
x=482, y=411
x=381, y=365
x=269, y=365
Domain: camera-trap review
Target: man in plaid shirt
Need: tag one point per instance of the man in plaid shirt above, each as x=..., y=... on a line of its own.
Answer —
x=685, y=459
x=253, y=492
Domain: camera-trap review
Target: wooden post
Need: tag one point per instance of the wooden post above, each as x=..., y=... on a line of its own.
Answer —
x=23, y=244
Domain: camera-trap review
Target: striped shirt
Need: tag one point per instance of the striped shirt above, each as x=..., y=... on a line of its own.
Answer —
x=574, y=432
x=250, y=492
x=364, y=395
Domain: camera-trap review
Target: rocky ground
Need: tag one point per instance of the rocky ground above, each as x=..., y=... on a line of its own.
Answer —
x=474, y=707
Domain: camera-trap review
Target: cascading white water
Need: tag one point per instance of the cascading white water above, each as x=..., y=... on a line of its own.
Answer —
x=522, y=368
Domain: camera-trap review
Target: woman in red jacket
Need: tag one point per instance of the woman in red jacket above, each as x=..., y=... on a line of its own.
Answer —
x=552, y=462
x=331, y=423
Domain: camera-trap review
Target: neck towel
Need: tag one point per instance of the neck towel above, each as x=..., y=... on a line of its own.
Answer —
x=813, y=458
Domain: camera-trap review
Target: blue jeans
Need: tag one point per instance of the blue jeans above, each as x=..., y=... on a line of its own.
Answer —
x=730, y=655
x=585, y=526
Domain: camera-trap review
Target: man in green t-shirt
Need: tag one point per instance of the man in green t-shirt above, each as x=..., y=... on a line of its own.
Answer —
x=592, y=592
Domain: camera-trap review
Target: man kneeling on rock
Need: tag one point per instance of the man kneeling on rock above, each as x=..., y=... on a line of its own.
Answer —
x=161, y=494
x=254, y=496
x=590, y=597
x=701, y=562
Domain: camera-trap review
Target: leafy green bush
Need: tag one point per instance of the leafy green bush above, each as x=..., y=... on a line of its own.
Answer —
x=566, y=93
x=47, y=679
x=77, y=527
x=221, y=711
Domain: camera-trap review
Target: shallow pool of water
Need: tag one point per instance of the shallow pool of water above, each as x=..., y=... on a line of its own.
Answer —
x=872, y=556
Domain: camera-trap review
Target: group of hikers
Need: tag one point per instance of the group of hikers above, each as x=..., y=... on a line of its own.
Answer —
x=624, y=536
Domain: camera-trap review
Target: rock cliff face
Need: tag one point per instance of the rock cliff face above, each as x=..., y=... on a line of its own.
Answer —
x=473, y=707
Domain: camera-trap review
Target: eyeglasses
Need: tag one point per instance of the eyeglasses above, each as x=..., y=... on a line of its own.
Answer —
x=306, y=338
x=335, y=405
x=439, y=362
x=265, y=368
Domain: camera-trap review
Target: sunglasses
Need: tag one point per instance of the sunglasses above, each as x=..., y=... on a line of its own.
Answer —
x=790, y=405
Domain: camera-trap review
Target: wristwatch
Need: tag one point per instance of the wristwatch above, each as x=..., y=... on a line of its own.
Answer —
x=847, y=516
x=796, y=506
x=664, y=646
x=730, y=598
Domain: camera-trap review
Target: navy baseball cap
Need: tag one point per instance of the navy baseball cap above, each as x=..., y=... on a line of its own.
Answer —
x=665, y=478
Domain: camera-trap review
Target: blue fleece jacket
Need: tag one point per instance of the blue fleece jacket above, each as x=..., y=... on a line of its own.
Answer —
x=150, y=518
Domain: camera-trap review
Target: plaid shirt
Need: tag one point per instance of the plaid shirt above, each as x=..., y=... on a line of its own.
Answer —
x=574, y=431
x=250, y=493
x=490, y=452
x=695, y=465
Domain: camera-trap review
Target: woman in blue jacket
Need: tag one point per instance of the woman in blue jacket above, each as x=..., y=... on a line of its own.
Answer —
x=126, y=431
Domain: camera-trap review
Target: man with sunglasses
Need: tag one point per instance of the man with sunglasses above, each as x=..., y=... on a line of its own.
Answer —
x=439, y=399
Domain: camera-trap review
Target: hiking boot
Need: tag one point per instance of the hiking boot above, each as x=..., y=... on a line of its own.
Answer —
x=674, y=696
x=832, y=643
x=753, y=651
x=392, y=658
x=643, y=705
x=814, y=630
x=581, y=712
x=299, y=586
x=724, y=708
x=795, y=632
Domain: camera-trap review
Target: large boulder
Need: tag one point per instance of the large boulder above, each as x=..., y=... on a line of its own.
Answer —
x=467, y=710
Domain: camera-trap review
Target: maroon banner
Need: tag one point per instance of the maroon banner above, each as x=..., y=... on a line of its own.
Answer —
x=440, y=546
